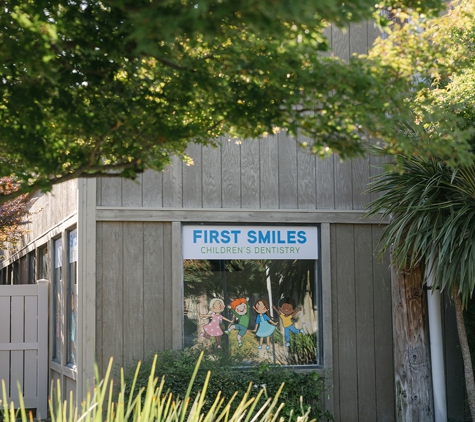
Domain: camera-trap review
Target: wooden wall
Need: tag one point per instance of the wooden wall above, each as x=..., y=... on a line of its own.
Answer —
x=363, y=388
x=139, y=308
x=267, y=174
x=139, y=301
x=270, y=173
x=48, y=211
x=52, y=208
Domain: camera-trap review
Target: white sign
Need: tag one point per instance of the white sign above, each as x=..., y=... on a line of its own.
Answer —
x=58, y=253
x=73, y=246
x=249, y=242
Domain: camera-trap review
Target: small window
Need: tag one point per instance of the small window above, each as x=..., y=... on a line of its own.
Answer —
x=31, y=268
x=72, y=297
x=10, y=274
x=23, y=276
x=57, y=297
x=16, y=272
x=43, y=263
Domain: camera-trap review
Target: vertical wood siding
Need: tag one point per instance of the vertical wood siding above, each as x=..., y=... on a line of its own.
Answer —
x=362, y=327
x=48, y=210
x=457, y=406
x=136, y=294
x=270, y=173
x=139, y=308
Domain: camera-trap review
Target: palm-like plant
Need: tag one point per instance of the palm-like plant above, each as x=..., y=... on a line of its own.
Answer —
x=432, y=218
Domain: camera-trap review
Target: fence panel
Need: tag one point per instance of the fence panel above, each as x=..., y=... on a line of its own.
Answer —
x=24, y=344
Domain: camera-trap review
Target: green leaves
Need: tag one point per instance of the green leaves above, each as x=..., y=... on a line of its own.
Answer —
x=435, y=57
x=93, y=86
x=432, y=211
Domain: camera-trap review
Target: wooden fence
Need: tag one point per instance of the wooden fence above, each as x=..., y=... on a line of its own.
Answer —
x=24, y=344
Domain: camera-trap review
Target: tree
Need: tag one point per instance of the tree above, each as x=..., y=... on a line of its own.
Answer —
x=13, y=214
x=430, y=198
x=432, y=209
x=115, y=87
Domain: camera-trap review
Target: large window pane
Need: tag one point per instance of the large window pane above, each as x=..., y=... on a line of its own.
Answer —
x=265, y=310
x=57, y=298
x=72, y=296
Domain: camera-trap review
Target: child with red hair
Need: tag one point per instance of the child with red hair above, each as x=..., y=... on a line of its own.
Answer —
x=240, y=309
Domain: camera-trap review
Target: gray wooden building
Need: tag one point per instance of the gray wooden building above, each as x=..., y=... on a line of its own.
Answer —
x=113, y=252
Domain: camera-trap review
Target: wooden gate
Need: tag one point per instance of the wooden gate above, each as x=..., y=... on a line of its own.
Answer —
x=24, y=344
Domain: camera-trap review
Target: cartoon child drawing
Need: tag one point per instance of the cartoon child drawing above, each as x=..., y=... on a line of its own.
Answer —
x=286, y=312
x=265, y=327
x=212, y=329
x=240, y=309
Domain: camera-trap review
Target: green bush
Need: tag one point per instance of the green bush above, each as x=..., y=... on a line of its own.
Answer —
x=144, y=399
x=301, y=390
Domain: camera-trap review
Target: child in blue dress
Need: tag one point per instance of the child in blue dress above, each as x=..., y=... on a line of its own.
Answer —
x=265, y=327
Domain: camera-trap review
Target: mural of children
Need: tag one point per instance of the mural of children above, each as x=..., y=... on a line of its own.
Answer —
x=286, y=311
x=240, y=309
x=212, y=329
x=263, y=329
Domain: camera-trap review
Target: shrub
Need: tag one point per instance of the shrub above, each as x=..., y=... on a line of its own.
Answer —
x=301, y=390
x=150, y=402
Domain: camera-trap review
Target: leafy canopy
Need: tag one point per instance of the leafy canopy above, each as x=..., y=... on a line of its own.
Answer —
x=437, y=56
x=93, y=87
x=13, y=214
x=432, y=203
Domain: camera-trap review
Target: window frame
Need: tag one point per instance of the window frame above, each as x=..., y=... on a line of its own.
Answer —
x=71, y=288
x=57, y=303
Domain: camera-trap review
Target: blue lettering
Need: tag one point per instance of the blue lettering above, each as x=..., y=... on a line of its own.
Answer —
x=264, y=238
x=301, y=235
x=236, y=234
x=279, y=240
x=251, y=236
x=197, y=234
x=213, y=235
x=291, y=236
x=225, y=236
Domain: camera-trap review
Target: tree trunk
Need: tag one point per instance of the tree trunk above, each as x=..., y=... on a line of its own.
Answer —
x=467, y=360
x=413, y=377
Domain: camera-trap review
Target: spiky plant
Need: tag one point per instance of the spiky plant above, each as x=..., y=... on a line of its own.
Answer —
x=153, y=403
x=432, y=219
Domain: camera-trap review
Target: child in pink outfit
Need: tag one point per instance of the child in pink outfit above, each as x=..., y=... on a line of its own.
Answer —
x=212, y=329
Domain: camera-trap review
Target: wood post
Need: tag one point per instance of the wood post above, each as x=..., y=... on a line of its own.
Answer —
x=413, y=379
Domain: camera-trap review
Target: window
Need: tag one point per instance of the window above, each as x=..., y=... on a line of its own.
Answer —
x=31, y=268
x=16, y=272
x=10, y=274
x=253, y=291
x=43, y=263
x=57, y=297
x=23, y=270
x=72, y=297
